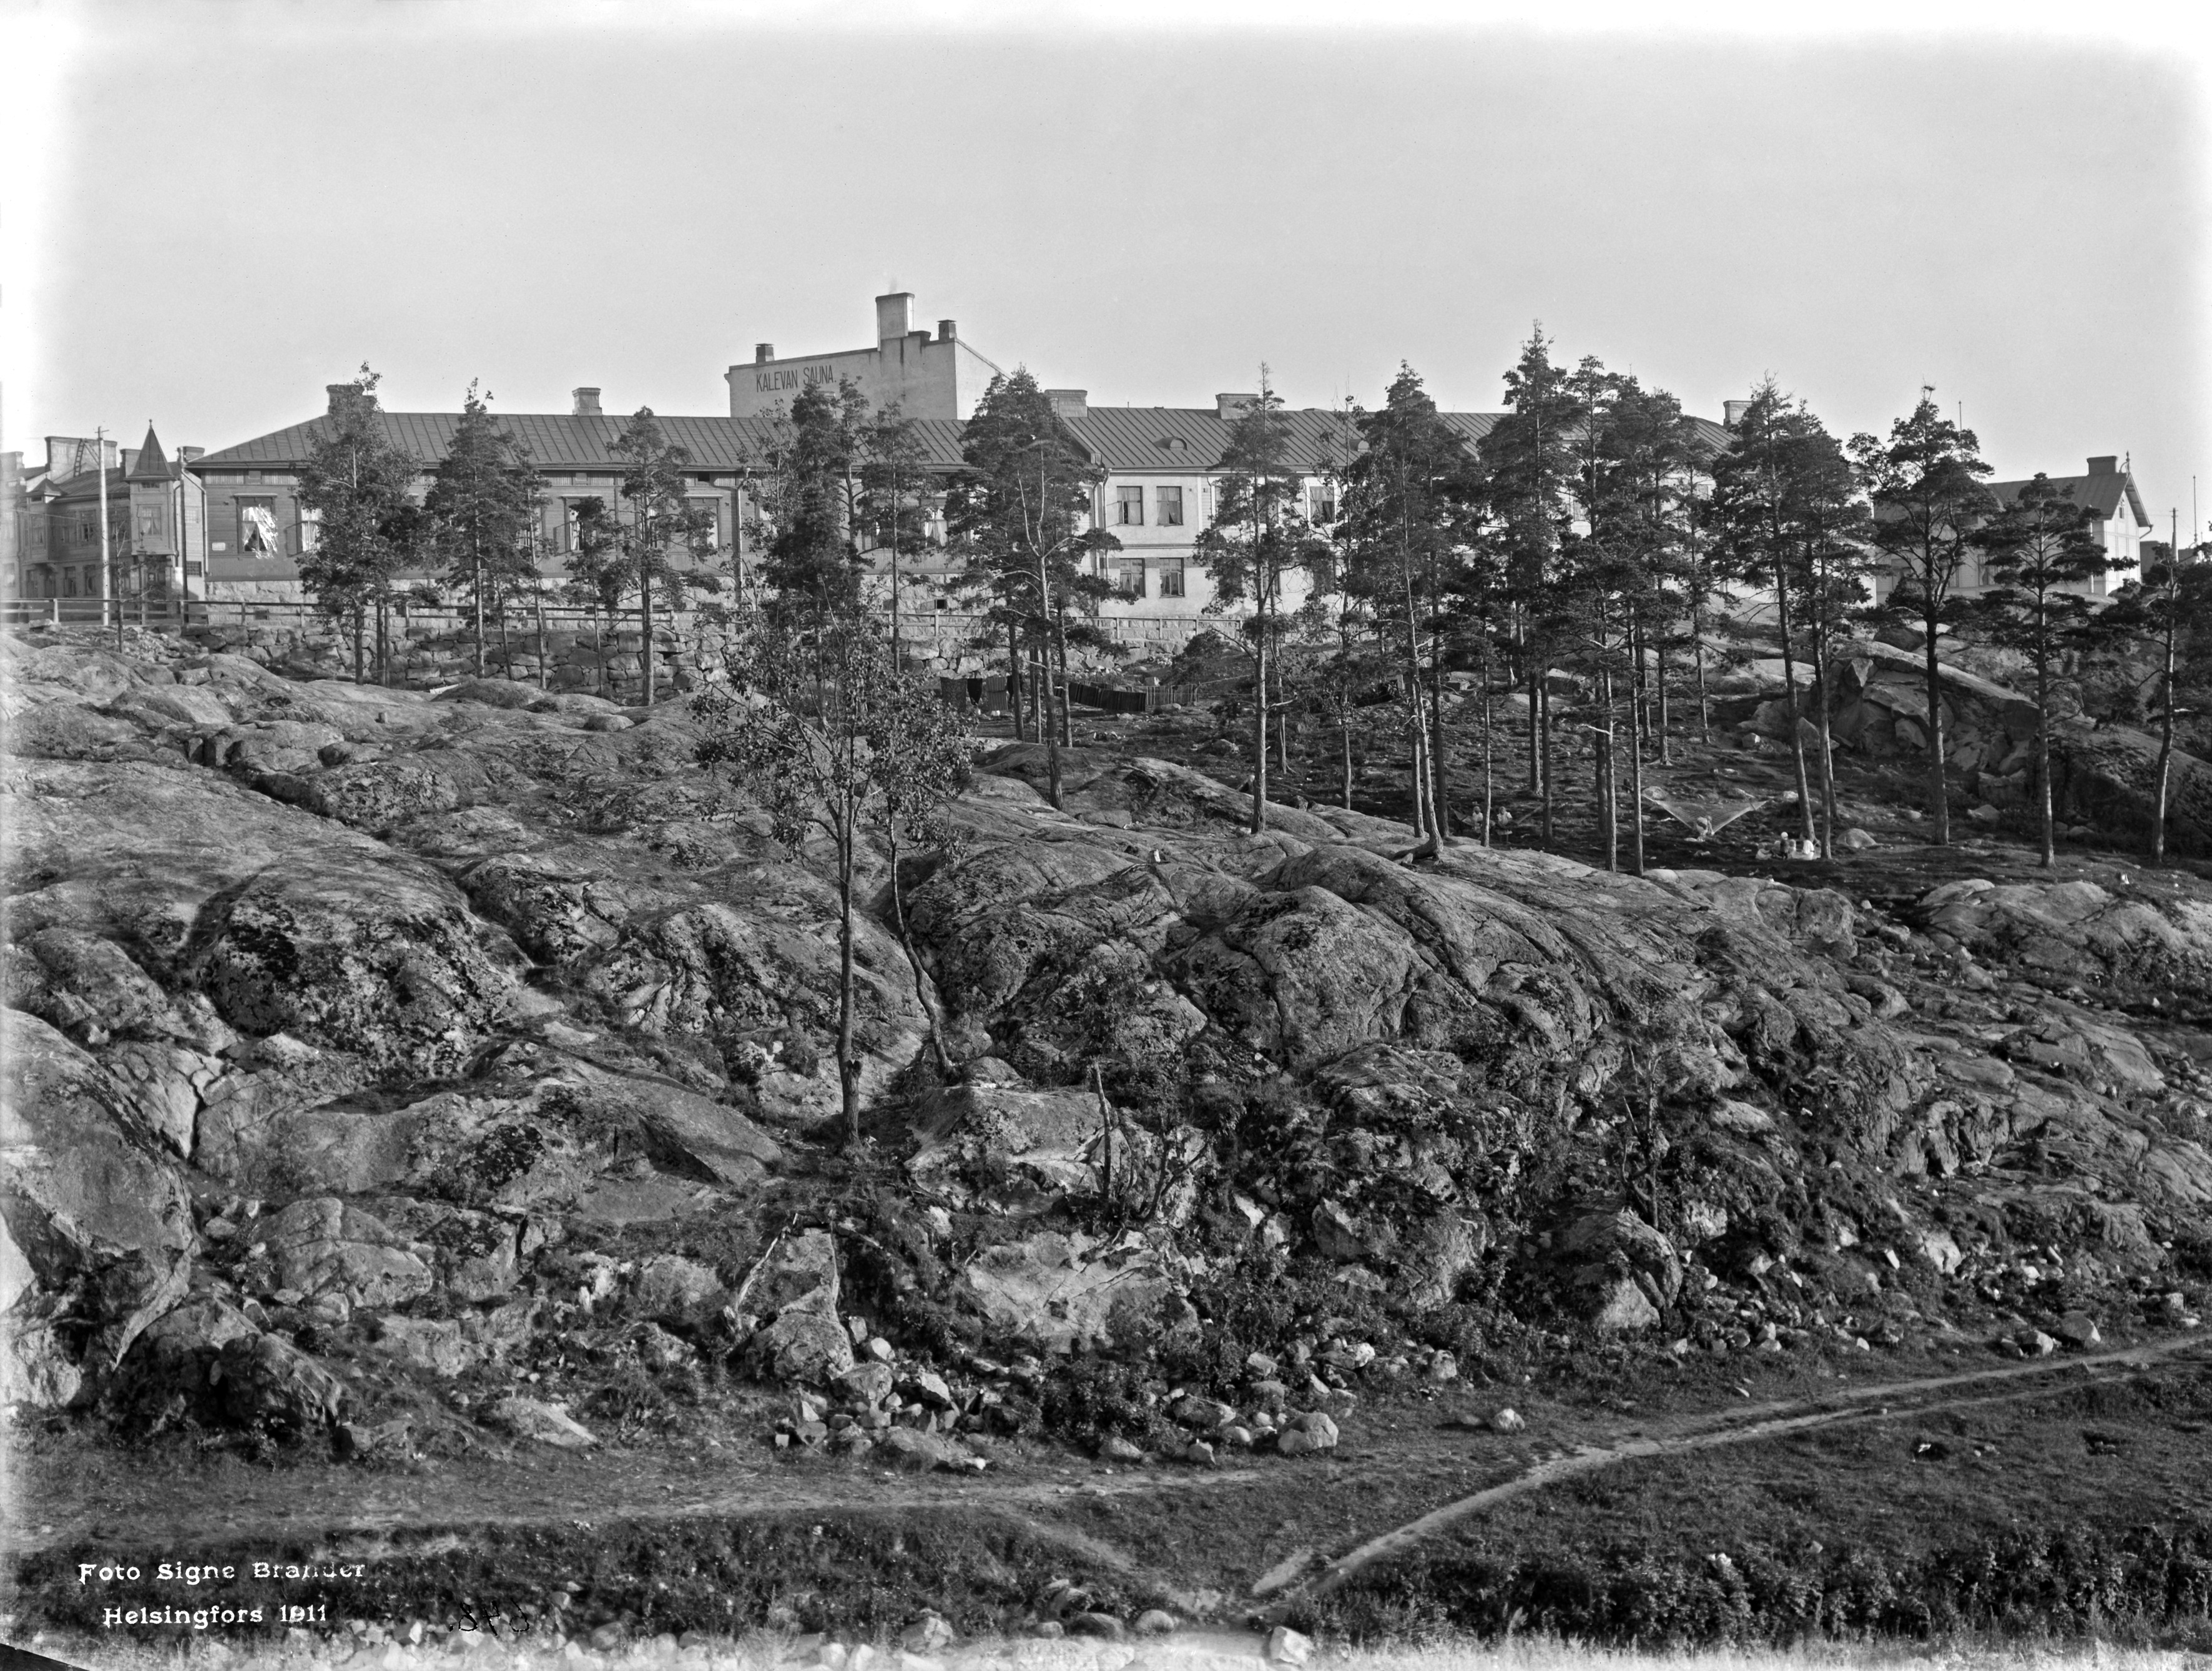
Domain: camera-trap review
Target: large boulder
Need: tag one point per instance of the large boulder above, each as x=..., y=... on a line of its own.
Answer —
x=97, y=1214
x=792, y=1293
x=325, y=1246
x=286, y=922
x=1056, y=1292
x=267, y=1381
x=1625, y=1270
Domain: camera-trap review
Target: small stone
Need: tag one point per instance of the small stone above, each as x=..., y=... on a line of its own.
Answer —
x=1199, y=1452
x=1442, y=1367
x=1051, y=1629
x=1286, y=1647
x=1157, y=1621
x=2035, y=1342
x=1508, y=1420
x=1116, y=1449
x=927, y=1634
x=1237, y=1438
x=880, y=1349
x=1103, y=1625
x=2079, y=1330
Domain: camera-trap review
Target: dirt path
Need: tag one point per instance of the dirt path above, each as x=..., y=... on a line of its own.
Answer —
x=1875, y=1401
x=370, y=1515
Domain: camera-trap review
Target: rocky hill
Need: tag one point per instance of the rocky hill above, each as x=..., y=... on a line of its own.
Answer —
x=397, y=1071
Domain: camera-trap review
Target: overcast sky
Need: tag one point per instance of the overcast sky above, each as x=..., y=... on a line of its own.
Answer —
x=218, y=210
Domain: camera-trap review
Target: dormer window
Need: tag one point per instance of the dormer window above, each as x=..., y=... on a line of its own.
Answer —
x=1175, y=444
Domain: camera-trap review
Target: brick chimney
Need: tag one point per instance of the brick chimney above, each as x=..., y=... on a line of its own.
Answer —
x=2109, y=466
x=1069, y=403
x=893, y=315
x=587, y=403
x=762, y=353
x=1732, y=412
x=948, y=330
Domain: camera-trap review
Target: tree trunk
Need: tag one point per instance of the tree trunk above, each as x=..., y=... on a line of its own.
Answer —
x=1824, y=702
x=1939, y=785
x=1535, y=719
x=1636, y=782
x=1543, y=734
x=848, y=1070
x=1015, y=693
x=1489, y=805
x=1065, y=709
x=1666, y=712
x=359, y=637
x=475, y=589
x=645, y=645
x=1344, y=732
x=924, y=989
x=1048, y=716
x=1796, y=724
x=1704, y=702
x=544, y=650
x=1258, y=821
x=2049, y=836
x=2165, y=728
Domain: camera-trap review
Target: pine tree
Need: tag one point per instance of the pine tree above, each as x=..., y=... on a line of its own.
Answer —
x=669, y=542
x=831, y=738
x=2171, y=604
x=1412, y=494
x=1257, y=537
x=1017, y=512
x=1527, y=460
x=812, y=563
x=1788, y=520
x=2038, y=549
x=358, y=483
x=483, y=505
x=895, y=498
x=1925, y=482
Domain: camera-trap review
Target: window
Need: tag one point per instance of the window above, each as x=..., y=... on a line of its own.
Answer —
x=1127, y=574
x=1171, y=577
x=709, y=512
x=1321, y=504
x=68, y=583
x=306, y=532
x=1170, y=505
x=87, y=530
x=1130, y=507
x=257, y=528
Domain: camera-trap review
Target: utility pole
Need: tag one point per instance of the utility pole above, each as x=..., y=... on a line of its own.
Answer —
x=99, y=455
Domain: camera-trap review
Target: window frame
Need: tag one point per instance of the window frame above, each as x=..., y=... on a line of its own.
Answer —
x=1174, y=569
x=1166, y=500
x=240, y=506
x=1128, y=496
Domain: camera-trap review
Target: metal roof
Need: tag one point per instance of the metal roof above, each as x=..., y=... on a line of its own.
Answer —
x=1125, y=440
x=2101, y=493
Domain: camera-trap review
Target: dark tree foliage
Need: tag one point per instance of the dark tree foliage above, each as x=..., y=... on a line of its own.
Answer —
x=1925, y=482
x=2039, y=555
x=1017, y=511
x=359, y=485
x=483, y=506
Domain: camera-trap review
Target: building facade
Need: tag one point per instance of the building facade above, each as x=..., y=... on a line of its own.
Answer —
x=924, y=376
x=155, y=533
x=256, y=529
